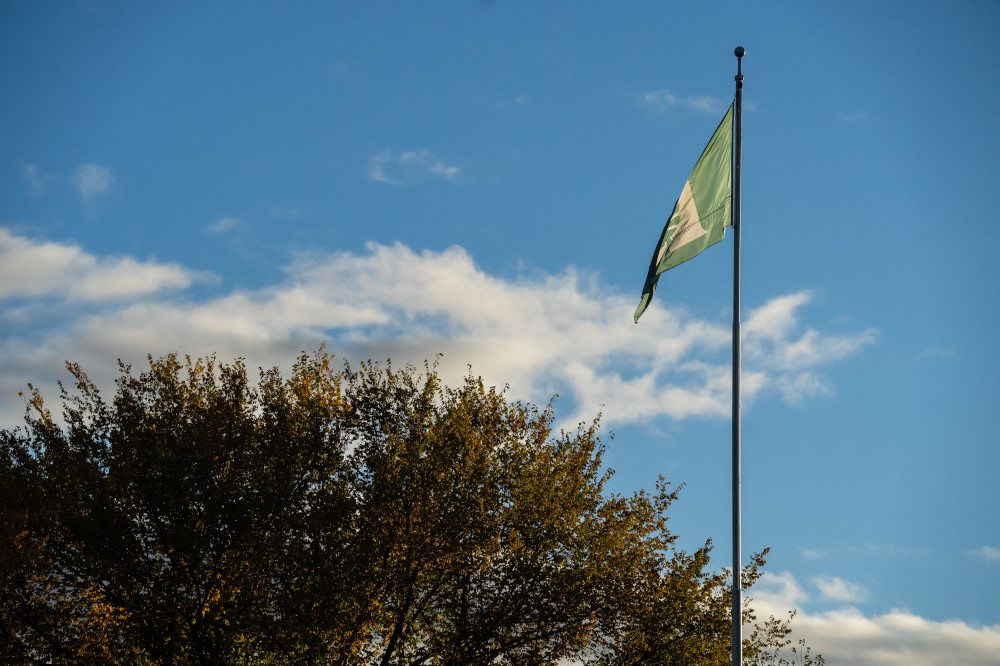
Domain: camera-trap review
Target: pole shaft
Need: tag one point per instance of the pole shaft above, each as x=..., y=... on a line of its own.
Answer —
x=737, y=615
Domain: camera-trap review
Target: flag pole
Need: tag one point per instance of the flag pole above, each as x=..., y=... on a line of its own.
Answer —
x=737, y=614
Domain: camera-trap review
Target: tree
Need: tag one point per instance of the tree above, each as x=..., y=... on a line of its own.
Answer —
x=339, y=516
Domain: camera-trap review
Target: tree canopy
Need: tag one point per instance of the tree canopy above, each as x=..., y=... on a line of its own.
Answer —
x=338, y=516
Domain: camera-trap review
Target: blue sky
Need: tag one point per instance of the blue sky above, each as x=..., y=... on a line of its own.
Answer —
x=487, y=180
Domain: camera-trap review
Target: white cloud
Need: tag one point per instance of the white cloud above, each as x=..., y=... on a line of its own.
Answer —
x=126, y=278
x=283, y=212
x=92, y=180
x=838, y=589
x=795, y=387
x=564, y=333
x=987, y=553
x=848, y=636
x=777, y=594
x=222, y=225
x=409, y=166
x=770, y=333
x=661, y=100
x=937, y=352
x=31, y=268
x=774, y=319
x=898, y=637
x=33, y=176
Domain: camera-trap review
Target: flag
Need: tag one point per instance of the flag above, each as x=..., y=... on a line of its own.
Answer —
x=702, y=212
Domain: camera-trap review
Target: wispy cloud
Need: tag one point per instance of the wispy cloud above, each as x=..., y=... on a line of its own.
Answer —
x=279, y=212
x=771, y=335
x=838, y=589
x=515, y=103
x=409, y=166
x=896, y=638
x=92, y=180
x=222, y=225
x=987, y=553
x=662, y=100
x=850, y=551
x=855, y=117
x=768, y=333
x=937, y=352
x=33, y=177
x=564, y=333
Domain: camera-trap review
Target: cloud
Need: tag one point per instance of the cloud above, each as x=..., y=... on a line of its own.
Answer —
x=661, y=100
x=515, y=103
x=222, y=225
x=987, y=553
x=564, y=333
x=778, y=593
x=838, y=589
x=92, y=180
x=34, y=268
x=33, y=177
x=770, y=334
x=936, y=352
x=857, y=117
x=848, y=636
x=283, y=212
x=767, y=333
x=407, y=167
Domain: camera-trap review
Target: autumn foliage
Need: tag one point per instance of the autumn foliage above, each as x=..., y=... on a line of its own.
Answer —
x=339, y=516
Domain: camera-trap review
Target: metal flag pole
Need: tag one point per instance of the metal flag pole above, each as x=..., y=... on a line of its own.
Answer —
x=737, y=614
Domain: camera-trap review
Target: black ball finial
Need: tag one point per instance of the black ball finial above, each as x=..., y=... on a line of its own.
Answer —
x=739, y=52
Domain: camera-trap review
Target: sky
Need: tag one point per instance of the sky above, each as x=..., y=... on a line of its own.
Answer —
x=486, y=181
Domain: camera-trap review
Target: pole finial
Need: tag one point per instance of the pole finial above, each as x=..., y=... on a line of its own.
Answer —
x=739, y=52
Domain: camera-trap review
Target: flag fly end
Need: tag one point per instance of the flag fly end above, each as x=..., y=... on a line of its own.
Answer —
x=701, y=214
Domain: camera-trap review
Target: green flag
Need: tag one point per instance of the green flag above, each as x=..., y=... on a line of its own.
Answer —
x=702, y=212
